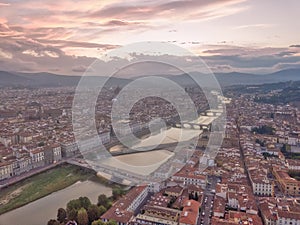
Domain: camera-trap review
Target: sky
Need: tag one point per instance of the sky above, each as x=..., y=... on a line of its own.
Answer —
x=66, y=36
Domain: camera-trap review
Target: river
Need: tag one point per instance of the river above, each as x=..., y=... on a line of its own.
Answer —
x=44, y=209
x=41, y=211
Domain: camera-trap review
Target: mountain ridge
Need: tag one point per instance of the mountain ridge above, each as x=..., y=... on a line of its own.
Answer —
x=44, y=79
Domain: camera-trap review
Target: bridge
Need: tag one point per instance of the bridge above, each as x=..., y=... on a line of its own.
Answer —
x=111, y=173
x=126, y=177
x=175, y=121
x=212, y=112
x=127, y=151
x=191, y=125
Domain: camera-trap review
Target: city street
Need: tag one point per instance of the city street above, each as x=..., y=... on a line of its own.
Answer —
x=207, y=204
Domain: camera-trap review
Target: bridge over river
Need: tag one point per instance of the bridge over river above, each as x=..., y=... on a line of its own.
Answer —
x=117, y=165
x=115, y=161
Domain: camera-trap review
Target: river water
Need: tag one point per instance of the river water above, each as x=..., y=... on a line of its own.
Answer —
x=144, y=163
x=41, y=211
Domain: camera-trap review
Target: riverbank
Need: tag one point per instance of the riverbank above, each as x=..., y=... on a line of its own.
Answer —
x=42, y=210
x=41, y=185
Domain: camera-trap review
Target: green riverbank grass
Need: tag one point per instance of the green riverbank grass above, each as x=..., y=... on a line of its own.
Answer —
x=40, y=185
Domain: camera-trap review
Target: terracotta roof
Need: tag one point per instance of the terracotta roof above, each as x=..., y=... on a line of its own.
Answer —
x=190, y=212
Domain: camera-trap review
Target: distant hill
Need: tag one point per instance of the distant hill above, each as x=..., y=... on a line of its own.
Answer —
x=50, y=80
x=235, y=78
x=12, y=79
x=225, y=79
x=274, y=93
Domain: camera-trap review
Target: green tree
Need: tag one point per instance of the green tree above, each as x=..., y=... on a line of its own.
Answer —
x=85, y=202
x=98, y=222
x=103, y=200
x=72, y=214
x=111, y=222
x=40, y=144
x=102, y=210
x=53, y=222
x=94, y=213
x=117, y=192
x=82, y=217
x=61, y=215
x=73, y=204
x=196, y=196
x=263, y=130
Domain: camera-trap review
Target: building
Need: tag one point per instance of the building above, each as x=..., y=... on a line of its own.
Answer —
x=56, y=148
x=140, y=197
x=6, y=170
x=164, y=213
x=174, y=191
x=6, y=140
x=24, y=164
x=287, y=184
x=24, y=137
x=37, y=157
x=190, y=213
x=237, y=218
x=145, y=219
x=293, y=164
x=219, y=207
x=280, y=211
x=157, y=211
x=48, y=155
x=52, y=153
x=123, y=210
x=261, y=185
x=69, y=149
x=190, y=178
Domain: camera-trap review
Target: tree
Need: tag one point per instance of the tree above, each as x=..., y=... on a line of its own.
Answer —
x=172, y=200
x=85, y=202
x=196, y=196
x=72, y=214
x=73, y=204
x=263, y=130
x=285, y=148
x=61, y=215
x=102, y=210
x=40, y=144
x=111, y=222
x=82, y=217
x=103, y=200
x=93, y=213
x=117, y=192
x=82, y=202
x=53, y=222
x=98, y=222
